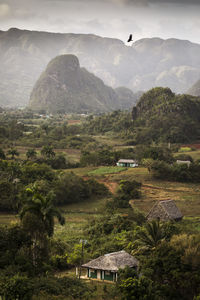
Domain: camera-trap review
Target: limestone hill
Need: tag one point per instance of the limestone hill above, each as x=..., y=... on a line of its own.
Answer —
x=66, y=87
x=160, y=115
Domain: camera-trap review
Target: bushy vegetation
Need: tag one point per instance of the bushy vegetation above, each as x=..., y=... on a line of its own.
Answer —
x=127, y=191
x=70, y=188
x=118, y=122
x=66, y=188
x=176, y=172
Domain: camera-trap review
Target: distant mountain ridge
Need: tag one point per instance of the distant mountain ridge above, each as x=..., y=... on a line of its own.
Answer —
x=66, y=87
x=147, y=63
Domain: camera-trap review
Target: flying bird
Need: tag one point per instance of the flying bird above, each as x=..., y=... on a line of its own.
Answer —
x=130, y=39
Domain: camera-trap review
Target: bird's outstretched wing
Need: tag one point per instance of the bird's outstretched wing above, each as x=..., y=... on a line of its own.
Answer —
x=130, y=39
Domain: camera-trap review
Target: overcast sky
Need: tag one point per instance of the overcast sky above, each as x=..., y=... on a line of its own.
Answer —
x=110, y=18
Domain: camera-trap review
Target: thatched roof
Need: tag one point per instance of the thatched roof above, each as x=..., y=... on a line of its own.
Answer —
x=165, y=210
x=128, y=161
x=112, y=261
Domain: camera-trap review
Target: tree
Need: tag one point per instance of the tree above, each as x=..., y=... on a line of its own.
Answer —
x=45, y=127
x=8, y=195
x=2, y=154
x=47, y=151
x=34, y=171
x=171, y=276
x=31, y=153
x=130, y=188
x=77, y=256
x=127, y=190
x=43, y=208
x=37, y=216
x=17, y=287
x=137, y=289
x=190, y=247
x=13, y=152
x=149, y=237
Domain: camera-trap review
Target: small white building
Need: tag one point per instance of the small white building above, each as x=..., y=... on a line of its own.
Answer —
x=131, y=163
x=183, y=162
x=106, y=267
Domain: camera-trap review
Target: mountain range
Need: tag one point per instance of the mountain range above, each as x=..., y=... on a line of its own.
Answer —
x=146, y=63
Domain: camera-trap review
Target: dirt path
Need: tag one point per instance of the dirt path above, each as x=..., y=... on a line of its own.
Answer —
x=111, y=185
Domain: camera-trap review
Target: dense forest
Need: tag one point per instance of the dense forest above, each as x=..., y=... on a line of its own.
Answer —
x=159, y=116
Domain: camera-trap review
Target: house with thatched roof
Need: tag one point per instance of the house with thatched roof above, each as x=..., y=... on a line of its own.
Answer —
x=165, y=210
x=131, y=163
x=106, y=267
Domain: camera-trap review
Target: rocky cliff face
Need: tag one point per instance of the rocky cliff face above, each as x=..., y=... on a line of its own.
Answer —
x=64, y=86
x=147, y=63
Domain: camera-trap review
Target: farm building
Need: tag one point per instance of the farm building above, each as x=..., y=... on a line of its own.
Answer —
x=165, y=210
x=127, y=163
x=106, y=267
x=183, y=162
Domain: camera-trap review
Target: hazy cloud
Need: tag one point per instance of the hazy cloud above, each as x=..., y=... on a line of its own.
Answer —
x=180, y=2
x=112, y=18
x=5, y=10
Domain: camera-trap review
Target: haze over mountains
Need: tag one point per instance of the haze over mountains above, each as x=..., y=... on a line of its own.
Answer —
x=195, y=89
x=147, y=63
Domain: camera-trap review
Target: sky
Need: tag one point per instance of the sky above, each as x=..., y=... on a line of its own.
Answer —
x=107, y=18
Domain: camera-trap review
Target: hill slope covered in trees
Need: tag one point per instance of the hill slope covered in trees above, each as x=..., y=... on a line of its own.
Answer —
x=160, y=115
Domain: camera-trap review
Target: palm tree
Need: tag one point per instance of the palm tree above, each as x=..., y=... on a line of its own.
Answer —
x=44, y=209
x=153, y=234
x=149, y=237
x=37, y=216
x=48, y=152
x=31, y=153
x=13, y=152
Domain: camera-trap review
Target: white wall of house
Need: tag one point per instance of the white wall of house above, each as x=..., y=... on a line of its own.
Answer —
x=98, y=274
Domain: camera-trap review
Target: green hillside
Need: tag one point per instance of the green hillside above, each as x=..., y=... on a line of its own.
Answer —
x=160, y=115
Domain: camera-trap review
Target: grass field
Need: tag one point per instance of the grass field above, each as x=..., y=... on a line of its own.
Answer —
x=106, y=170
x=186, y=195
x=194, y=154
x=8, y=218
